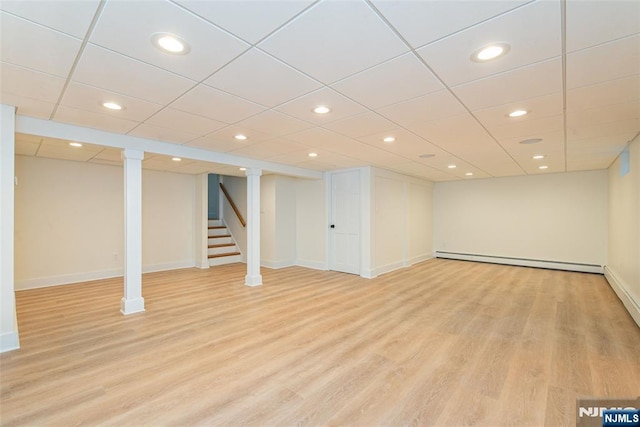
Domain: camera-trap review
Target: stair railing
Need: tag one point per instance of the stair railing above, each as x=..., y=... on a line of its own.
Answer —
x=233, y=205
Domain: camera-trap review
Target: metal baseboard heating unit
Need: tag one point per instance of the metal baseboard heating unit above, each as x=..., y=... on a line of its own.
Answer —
x=523, y=262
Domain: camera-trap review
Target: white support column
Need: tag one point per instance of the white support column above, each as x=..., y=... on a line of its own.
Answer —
x=202, y=220
x=132, y=302
x=9, y=339
x=253, y=278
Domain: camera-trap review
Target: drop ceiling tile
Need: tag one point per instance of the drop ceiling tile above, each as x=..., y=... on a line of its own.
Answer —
x=217, y=105
x=26, y=148
x=341, y=107
x=552, y=142
x=28, y=106
x=184, y=122
x=117, y=73
x=593, y=163
x=195, y=168
x=90, y=98
x=590, y=23
x=333, y=40
x=603, y=114
x=454, y=131
x=406, y=144
x=161, y=133
x=216, y=144
x=610, y=61
x=394, y=81
x=529, y=128
x=28, y=45
x=274, y=123
x=624, y=129
x=543, y=106
x=607, y=93
x=541, y=41
x=70, y=17
x=268, y=149
x=523, y=83
x=422, y=22
x=211, y=48
x=249, y=20
x=425, y=108
x=274, y=84
x=555, y=164
x=31, y=84
x=322, y=138
x=362, y=125
x=228, y=134
x=60, y=149
x=110, y=154
x=89, y=119
x=545, y=115
x=419, y=170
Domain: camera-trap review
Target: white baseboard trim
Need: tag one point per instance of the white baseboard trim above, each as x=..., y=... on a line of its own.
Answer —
x=67, y=279
x=523, y=262
x=168, y=266
x=389, y=268
x=276, y=264
x=9, y=341
x=620, y=289
x=420, y=258
x=315, y=265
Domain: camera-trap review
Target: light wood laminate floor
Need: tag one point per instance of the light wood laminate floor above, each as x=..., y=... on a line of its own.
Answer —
x=443, y=343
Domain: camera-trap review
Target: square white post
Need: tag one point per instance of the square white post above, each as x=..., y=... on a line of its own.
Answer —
x=9, y=339
x=132, y=302
x=253, y=278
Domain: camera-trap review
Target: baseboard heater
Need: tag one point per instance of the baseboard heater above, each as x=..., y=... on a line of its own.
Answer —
x=523, y=262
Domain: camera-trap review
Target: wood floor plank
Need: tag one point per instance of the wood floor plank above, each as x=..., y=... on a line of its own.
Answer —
x=440, y=343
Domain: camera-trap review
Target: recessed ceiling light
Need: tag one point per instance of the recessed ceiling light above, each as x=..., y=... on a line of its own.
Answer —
x=243, y=169
x=170, y=43
x=176, y=159
x=388, y=139
x=518, y=113
x=538, y=157
x=75, y=144
x=452, y=166
x=112, y=106
x=491, y=51
x=469, y=174
x=322, y=109
x=531, y=141
x=313, y=154
x=543, y=167
x=240, y=137
x=426, y=156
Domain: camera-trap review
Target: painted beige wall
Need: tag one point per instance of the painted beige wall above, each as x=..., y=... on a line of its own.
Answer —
x=311, y=223
x=401, y=220
x=70, y=216
x=554, y=217
x=624, y=227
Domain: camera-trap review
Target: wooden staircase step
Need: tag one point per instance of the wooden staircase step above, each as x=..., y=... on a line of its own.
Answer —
x=221, y=235
x=221, y=245
x=217, y=227
x=224, y=255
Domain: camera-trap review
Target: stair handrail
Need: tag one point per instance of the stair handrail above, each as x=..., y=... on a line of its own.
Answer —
x=233, y=205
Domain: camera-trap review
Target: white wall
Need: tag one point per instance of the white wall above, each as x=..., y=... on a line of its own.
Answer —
x=69, y=221
x=311, y=223
x=285, y=223
x=554, y=217
x=401, y=220
x=623, y=266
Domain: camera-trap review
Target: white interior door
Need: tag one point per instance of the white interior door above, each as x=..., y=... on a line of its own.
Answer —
x=345, y=222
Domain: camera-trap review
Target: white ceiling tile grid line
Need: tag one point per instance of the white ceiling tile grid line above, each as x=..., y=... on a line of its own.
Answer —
x=378, y=57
